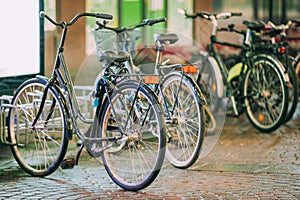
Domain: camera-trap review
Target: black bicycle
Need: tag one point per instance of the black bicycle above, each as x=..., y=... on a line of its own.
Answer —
x=265, y=39
x=127, y=133
x=257, y=84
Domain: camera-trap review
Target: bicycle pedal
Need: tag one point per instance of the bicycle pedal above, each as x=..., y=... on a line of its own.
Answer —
x=68, y=163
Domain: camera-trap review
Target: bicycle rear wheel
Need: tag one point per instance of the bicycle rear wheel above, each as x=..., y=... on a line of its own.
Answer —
x=296, y=64
x=40, y=149
x=266, y=95
x=134, y=155
x=185, y=125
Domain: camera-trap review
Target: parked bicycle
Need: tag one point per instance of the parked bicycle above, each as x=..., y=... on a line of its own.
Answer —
x=264, y=42
x=257, y=85
x=278, y=50
x=179, y=95
x=128, y=132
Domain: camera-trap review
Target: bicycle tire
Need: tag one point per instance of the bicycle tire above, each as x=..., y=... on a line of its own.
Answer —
x=136, y=159
x=293, y=87
x=264, y=89
x=186, y=128
x=40, y=149
x=296, y=65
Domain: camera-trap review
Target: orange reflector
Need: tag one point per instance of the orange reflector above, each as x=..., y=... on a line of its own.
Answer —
x=214, y=87
x=151, y=79
x=190, y=69
x=281, y=49
x=261, y=117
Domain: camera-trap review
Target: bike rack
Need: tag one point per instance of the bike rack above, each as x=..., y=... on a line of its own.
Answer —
x=5, y=106
x=84, y=98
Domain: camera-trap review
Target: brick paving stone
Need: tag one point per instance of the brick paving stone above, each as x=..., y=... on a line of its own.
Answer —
x=244, y=164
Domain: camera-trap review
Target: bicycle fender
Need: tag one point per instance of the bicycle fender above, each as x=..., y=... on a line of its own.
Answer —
x=277, y=63
x=57, y=90
x=44, y=79
x=219, y=77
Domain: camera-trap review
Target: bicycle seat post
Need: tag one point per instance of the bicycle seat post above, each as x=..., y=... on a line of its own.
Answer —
x=159, y=49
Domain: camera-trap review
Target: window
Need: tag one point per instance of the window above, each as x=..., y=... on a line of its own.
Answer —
x=20, y=38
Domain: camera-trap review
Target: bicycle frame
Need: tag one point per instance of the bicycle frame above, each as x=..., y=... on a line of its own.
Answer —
x=61, y=79
x=224, y=71
x=158, y=70
x=159, y=65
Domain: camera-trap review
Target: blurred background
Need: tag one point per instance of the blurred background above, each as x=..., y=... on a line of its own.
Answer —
x=80, y=45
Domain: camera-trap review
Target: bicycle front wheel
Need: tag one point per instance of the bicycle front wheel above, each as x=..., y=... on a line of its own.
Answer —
x=185, y=119
x=132, y=120
x=39, y=149
x=266, y=95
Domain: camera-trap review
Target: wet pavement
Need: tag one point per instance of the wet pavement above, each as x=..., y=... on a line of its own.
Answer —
x=244, y=164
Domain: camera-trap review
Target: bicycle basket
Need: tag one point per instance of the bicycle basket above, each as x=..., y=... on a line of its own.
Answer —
x=112, y=41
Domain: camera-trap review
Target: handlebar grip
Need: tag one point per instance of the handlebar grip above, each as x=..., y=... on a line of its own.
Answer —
x=103, y=16
x=154, y=21
x=42, y=14
x=236, y=14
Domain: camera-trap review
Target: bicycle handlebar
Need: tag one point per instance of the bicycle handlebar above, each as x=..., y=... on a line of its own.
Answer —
x=154, y=21
x=145, y=22
x=284, y=27
x=281, y=27
x=227, y=15
x=209, y=16
x=75, y=18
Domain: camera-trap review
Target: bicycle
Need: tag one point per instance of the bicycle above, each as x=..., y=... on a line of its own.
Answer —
x=257, y=85
x=128, y=132
x=262, y=44
x=180, y=97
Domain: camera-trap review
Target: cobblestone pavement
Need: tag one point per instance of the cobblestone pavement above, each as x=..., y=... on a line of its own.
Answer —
x=244, y=164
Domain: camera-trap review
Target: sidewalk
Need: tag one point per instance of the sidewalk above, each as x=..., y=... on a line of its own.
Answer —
x=244, y=164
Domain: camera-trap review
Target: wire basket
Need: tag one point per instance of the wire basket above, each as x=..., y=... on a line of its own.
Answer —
x=108, y=40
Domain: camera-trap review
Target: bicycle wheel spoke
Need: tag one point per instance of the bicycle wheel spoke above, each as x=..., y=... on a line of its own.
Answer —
x=136, y=157
x=40, y=149
x=266, y=95
x=187, y=126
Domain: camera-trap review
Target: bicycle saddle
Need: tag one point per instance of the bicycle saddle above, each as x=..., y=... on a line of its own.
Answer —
x=255, y=25
x=166, y=38
x=113, y=56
